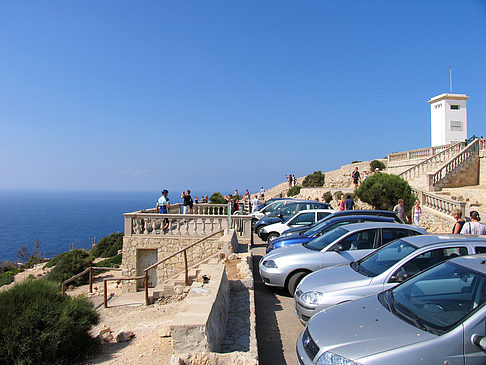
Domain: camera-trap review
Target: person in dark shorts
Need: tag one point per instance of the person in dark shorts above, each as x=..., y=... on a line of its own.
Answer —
x=356, y=177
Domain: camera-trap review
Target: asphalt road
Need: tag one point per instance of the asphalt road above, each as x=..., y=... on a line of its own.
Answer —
x=277, y=326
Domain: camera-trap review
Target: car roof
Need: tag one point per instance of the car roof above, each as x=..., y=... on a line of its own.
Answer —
x=315, y=210
x=369, y=225
x=432, y=239
x=473, y=262
x=364, y=216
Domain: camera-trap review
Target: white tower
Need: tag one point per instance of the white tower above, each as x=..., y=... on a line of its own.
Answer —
x=448, y=118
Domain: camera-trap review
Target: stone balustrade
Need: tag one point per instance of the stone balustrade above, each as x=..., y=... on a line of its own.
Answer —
x=438, y=203
x=438, y=155
x=416, y=154
x=436, y=178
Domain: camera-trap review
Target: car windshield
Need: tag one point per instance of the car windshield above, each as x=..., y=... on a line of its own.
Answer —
x=270, y=208
x=383, y=258
x=439, y=299
x=285, y=210
x=317, y=244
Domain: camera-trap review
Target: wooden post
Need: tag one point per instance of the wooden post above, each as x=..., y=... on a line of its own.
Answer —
x=63, y=288
x=186, y=268
x=145, y=284
x=105, y=296
x=91, y=279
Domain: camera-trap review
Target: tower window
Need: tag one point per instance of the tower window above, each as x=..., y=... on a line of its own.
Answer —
x=455, y=107
x=456, y=125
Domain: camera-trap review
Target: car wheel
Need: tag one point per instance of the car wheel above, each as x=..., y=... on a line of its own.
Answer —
x=272, y=236
x=294, y=281
x=258, y=230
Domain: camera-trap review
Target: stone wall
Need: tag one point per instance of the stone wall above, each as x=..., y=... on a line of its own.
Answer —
x=165, y=246
x=482, y=168
x=465, y=175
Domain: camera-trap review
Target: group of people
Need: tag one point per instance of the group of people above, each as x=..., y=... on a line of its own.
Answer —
x=345, y=203
x=291, y=179
x=357, y=178
x=472, y=227
x=416, y=212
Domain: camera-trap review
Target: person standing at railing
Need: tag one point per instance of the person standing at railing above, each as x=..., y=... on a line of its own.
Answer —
x=474, y=226
x=457, y=214
x=163, y=207
x=187, y=202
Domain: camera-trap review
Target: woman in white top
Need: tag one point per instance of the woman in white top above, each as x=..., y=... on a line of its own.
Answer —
x=416, y=212
x=474, y=226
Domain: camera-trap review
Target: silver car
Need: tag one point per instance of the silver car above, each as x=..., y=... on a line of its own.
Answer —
x=436, y=317
x=286, y=266
x=381, y=270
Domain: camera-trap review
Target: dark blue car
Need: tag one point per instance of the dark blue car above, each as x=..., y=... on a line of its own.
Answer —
x=325, y=226
x=287, y=211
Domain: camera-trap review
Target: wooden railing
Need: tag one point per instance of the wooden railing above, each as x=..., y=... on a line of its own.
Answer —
x=439, y=203
x=105, y=287
x=418, y=153
x=422, y=167
x=436, y=178
x=88, y=270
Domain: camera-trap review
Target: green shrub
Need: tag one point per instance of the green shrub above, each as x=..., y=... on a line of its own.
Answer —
x=39, y=325
x=217, y=198
x=70, y=264
x=327, y=196
x=114, y=261
x=375, y=164
x=108, y=246
x=356, y=161
x=382, y=191
x=337, y=195
x=6, y=278
x=7, y=266
x=294, y=190
x=314, y=179
x=52, y=262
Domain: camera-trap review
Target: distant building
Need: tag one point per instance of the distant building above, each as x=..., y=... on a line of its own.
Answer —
x=448, y=118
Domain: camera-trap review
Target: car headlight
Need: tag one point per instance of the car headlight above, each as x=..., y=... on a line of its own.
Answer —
x=270, y=264
x=311, y=297
x=328, y=358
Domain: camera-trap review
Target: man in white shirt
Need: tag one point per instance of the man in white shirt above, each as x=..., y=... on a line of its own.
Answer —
x=254, y=204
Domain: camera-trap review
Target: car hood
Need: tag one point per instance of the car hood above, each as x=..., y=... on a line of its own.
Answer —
x=270, y=220
x=287, y=251
x=290, y=241
x=333, y=278
x=369, y=328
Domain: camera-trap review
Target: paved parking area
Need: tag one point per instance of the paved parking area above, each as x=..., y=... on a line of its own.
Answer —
x=277, y=326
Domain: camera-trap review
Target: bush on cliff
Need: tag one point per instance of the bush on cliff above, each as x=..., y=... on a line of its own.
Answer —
x=39, y=325
x=382, y=191
x=108, y=246
x=327, y=197
x=70, y=264
x=294, y=190
x=375, y=164
x=114, y=261
x=217, y=198
x=314, y=179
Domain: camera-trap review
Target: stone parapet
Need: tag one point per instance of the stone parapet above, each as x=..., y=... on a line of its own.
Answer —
x=482, y=168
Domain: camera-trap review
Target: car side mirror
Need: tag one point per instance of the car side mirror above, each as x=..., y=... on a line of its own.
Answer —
x=398, y=278
x=479, y=341
x=338, y=247
x=280, y=215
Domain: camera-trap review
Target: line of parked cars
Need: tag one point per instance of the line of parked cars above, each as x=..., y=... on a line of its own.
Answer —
x=372, y=290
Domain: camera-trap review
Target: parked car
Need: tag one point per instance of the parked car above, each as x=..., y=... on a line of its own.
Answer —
x=285, y=267
x=270, y=201
x=326, y=226
x=286, y=211
x=382, y=269
x=303, y=218
x=436, y=317
x=256, y=216
x=380, y=213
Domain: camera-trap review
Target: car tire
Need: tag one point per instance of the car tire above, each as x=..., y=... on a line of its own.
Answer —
x=294, y=280
x=272, y=236
x=258, y=230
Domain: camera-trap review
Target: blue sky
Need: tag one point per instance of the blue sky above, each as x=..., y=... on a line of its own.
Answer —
x=213, y=95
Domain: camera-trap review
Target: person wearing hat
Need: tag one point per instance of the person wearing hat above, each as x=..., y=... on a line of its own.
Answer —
x=474, y=226
x=163, y=206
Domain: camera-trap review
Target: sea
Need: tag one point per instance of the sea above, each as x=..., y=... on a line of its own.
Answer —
x=61, y=220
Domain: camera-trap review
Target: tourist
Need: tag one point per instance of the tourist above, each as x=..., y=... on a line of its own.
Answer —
x=196, y=200
x=474, y=226
x=341, y=205
x=206, y=199
x=254, y=204
x=349, y=203
x=294, y=180
x=187, y=202
x=400, y=210
x=356, y=177
x=262, y=193
x=365, y=175
x=163, y=207
x=416, y=212
x=247, y=195
x=289, y=179
x=457, y=214
x=236, y=195
x=377, y=170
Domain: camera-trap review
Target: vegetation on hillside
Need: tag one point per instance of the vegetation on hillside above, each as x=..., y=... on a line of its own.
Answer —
x=27, y=259
x=217, y=198
x=69, y=264
x=327, y=197
x=39, y=325
x=382, y=191
x=294, y=190
x=108, y=246
x=375, y=164
x=313, y=180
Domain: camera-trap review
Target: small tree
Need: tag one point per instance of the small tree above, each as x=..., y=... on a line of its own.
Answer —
x=314, y=179
x=108, y=246
x=375, y=164
x=217, y=198
x=327, y=196
x=294, y=190
x=70, y=264
x=382, y=191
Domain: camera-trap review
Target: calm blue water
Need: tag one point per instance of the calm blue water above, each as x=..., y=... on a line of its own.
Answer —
x=59, y=219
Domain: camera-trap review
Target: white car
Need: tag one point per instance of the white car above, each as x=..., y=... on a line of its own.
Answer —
x=302, y=218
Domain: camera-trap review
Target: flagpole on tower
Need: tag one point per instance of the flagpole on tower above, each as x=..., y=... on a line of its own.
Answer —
x=450, y=77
